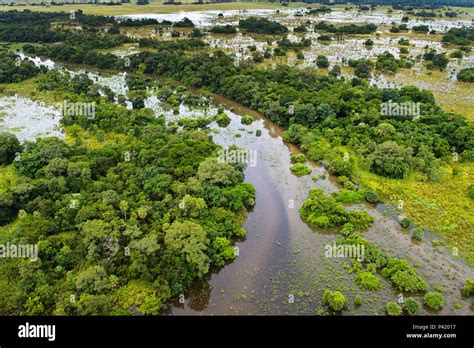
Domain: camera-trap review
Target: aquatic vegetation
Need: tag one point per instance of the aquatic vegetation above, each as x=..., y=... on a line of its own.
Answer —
x=411, y=306
x=372, y=197
x=321, y=210
x=346, y=196
x=468, y=288
x=360, y=220
x=403, y=276
x=417, y=234
x=334, y=300
x=368, y=281
x=392, y=308
x=298, y=158
x=434, y=300
x=300, y=169
x=222, y=120
x=358, y=300
x=246, y=119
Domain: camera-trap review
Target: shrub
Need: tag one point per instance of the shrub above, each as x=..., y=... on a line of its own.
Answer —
x=258, y=57
x=468, y=289
x=404, y=42
x=247, y=119
x=300, y=169
x=368, y=281
x=361, y=220
x=408, y=281
x=346, y=196
x=298, y=158
x=322, y=62
x=420, y=29
x=358, y=300
x=347, y=229
x=403, y=276
x=372, y=197
x=417, y=234
x=393, y=308
x=411, y=306
x=466, y=75
x=471, y=192
x=457, y=54
x=405, y=222
x=321, y=210
x=223, y=120
x=300, y=29
x=334, y=300
x=434, y=300
x=258, y=132
x=336, y=70
x=324, y=37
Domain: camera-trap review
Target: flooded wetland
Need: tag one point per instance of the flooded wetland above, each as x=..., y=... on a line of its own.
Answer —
x=281, y=266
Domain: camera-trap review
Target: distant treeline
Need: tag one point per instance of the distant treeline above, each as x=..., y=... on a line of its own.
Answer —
x=398, y=3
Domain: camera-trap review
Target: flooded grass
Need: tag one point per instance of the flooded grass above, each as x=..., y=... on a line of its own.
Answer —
x=28, y=119
x=452, y=95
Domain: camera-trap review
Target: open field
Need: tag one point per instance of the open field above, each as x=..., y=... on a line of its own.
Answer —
x=187, y=5
x=431, y=205
x=155, y=7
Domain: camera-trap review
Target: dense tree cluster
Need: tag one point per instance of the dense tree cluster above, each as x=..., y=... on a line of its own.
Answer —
x=397, y=271
x=121, y=227
x=287, y=44
x=323, y=211
x=262, y=26
x=223, y=29
x=459, y=36
x=184, y=23
x=346, y=29
x=15, y=69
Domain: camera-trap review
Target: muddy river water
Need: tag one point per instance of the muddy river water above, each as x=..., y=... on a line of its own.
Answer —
x=281, y=266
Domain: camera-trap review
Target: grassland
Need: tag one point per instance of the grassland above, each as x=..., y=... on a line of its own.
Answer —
x=443, y=208
x=454, y=96
x=28, y=89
